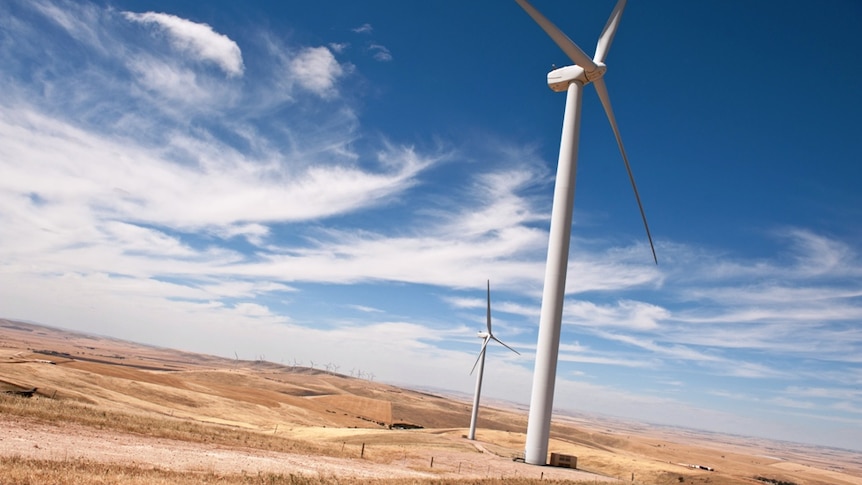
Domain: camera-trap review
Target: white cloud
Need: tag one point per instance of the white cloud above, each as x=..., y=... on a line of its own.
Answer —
x=380, y=52
x=254, y=233
x=848, y=406
x=818, y=255
x=317, y=70
x=500, y=204
x=243, y=289
x=252, y=310
x=195, y=39
x=79, y=20
x=144, y=240
x=172, y=81
x=824, y=393
x=114, y=178
x=634, y=315
x=603, y=360
x=338, y=47
x=365, y=309
x=363, y=29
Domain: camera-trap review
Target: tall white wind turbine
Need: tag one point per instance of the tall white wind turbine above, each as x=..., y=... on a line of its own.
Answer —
x=572, y=80
x=486, y=338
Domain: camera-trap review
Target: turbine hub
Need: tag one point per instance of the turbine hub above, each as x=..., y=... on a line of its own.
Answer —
x=559, y=79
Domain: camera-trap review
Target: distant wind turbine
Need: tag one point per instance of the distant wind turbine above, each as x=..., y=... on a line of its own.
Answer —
x=572, y=80
x=480, y=361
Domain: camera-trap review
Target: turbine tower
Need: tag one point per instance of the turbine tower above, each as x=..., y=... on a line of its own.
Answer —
x=572, y=80
x=480, y=361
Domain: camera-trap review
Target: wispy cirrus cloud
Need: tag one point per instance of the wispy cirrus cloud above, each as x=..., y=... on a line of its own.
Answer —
x=380, y=52
x=628, y=314
x=172, y=81
x=363, y=29
x=82, y=21
x=140, y=185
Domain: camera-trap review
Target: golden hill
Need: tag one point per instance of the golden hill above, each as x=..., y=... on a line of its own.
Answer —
x=329, y=409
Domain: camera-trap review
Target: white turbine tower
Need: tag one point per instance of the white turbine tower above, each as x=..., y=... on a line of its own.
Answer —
x=572, y=80
x=480, y=361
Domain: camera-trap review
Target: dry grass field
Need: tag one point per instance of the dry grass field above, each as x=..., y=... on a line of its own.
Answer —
x=109, y=411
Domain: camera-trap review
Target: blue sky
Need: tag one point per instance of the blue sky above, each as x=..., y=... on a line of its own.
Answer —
x=336, y=182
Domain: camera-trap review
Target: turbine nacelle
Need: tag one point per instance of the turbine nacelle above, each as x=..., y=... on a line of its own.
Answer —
x=559, y=79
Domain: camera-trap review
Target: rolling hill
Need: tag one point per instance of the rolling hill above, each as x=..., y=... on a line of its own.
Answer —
x=334, y=412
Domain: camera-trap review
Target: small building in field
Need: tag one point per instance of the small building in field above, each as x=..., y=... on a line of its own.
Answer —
x=564, y=461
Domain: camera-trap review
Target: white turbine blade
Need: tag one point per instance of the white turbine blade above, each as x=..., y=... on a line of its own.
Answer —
x=490, y=334
x=609, y=31
x=570, y=48
x=602, y=90
x=504, y=345
x=488, y=314
x=481, y=352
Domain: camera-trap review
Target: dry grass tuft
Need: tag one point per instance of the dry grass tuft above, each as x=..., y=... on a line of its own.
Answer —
x=24, y=471
x=54, y=411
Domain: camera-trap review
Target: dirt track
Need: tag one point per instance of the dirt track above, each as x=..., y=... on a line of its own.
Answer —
x=35, y=440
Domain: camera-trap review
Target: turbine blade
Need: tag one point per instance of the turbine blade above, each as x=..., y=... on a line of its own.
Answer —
x=609, y=31
x=481, y=353
x=504, y=345
x=488, y=314
x=602, y=90
x=570, y=48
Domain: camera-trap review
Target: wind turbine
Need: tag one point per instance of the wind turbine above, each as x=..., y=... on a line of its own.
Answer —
x=480, y=361
x=572, y=80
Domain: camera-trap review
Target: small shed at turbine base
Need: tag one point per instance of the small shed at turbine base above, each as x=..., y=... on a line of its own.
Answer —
x=564, y=461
